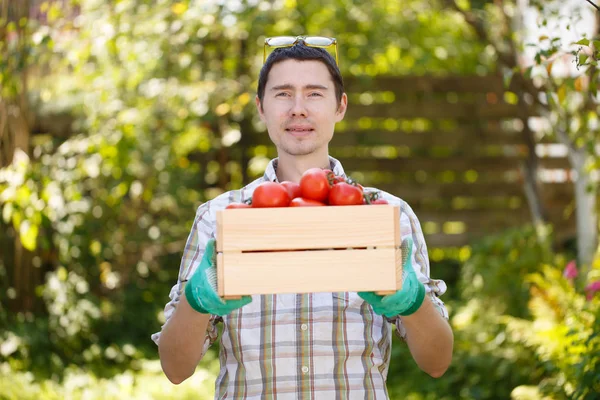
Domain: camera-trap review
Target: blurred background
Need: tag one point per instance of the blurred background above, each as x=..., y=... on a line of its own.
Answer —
x=118, y=118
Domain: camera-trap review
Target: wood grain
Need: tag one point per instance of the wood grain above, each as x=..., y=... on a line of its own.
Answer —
x=311, y=271
x=306, y=228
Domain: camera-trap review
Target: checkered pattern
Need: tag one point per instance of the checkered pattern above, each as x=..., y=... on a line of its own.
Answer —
x=301, y=346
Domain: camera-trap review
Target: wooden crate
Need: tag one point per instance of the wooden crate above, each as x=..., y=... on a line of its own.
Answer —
x=308, y=249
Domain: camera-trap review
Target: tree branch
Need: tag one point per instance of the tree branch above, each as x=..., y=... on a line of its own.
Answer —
x=593, y=5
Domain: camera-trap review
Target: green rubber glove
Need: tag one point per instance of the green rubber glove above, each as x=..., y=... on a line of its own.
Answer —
x=406, y=300
x=201, y=289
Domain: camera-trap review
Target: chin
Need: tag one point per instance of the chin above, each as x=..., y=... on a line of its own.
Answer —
x=298, y=152
x=296, y=147
x=299, y=149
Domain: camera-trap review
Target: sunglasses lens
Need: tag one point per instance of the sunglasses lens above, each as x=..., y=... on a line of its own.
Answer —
x=318, y=41
x=281, y=40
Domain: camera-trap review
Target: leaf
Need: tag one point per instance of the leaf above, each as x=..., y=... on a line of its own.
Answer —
x=507, y=78
x=549, y=67
x=527, y=74
x=562, y=93
x=583, y=42
x=550, y=99
x=7, y=212
x=582, y=59
x=179, y=8
x=593, y=88
x=543, y=37
x=28, y=234
x=579, y=84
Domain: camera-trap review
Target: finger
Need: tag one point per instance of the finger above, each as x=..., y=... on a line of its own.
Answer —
x=370, y=297
x=210, y=250
x=239, y=302
x=407, y=248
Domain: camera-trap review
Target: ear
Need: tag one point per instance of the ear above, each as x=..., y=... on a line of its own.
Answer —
x=342, y=107
x=261, y=113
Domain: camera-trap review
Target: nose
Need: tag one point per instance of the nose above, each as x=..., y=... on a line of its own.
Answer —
x=298, y=107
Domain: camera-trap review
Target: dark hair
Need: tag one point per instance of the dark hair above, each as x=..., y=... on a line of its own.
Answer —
x=302, y=53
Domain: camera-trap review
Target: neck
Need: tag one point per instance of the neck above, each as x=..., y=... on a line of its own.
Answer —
x=291, y=168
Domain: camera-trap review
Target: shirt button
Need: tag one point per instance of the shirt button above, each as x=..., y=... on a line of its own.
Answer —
x=304, y=327
x=304, y=369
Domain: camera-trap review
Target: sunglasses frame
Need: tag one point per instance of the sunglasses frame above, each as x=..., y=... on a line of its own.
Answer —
x=297, y=40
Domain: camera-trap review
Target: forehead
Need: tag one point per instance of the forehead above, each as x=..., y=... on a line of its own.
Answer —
x=299, y=73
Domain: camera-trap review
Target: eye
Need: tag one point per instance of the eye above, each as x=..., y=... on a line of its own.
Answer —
x=282, y=94
x=315, y=94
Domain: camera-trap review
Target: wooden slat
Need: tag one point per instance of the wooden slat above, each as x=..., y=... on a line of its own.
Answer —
x=469, y=141
x=414, y=190
x=455, y=138
x=490, y=222
x=429, y=164
x=443, y=240
x=305, y=228
x=567, y=230
x=403, y=84
x=311, y=271
x=415, y=140
x=438, y=110
x=491, y=203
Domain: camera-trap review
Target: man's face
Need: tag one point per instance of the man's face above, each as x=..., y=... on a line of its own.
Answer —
x=300, y=108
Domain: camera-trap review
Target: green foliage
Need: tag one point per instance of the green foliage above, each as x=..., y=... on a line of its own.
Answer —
x=495, y=271
x=161, y=92
x=564, y=333
x=487, y=363
x=149, y=384
x=522, y=330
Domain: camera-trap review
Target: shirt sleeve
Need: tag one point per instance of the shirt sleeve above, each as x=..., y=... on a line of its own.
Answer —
x=410, y=227
x=202, y=230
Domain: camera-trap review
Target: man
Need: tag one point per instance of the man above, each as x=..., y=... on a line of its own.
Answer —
x=296, y=346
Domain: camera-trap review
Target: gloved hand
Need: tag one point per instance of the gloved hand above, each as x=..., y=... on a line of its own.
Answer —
x=201, y=289
x=406, y=300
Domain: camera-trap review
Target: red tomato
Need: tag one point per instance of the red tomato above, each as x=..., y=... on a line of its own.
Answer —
x=302, y=202
x=338, y=179
x=379, y=201
x=238, y=205
x=270, y=194
x=314, y=184
x=293, y=189
x=344, y=194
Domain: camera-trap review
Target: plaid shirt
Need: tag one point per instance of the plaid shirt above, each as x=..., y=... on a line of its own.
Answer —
x=301, y=346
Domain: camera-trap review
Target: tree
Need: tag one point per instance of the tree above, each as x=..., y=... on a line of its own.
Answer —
x=569, y=103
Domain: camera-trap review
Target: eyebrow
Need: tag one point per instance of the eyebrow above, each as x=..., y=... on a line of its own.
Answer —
x=287, y=86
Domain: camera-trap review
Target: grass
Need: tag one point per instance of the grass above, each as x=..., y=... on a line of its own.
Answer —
x=148, y=384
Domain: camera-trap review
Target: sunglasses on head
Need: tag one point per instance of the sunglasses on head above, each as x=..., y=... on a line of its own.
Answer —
x=310, y=41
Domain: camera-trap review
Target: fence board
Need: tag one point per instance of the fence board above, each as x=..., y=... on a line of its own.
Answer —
x=414, y=190
x=452, y=138
x=465, y=134
x=440, y=110
x=425, y=84
x=428, y=164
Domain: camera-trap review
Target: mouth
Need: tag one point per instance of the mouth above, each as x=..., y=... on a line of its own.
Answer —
x=299, y=131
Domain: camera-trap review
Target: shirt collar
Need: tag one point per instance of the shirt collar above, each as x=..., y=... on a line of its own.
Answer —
x=271, y=175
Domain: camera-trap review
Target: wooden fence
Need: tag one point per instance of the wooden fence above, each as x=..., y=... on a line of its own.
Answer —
x=460, y=149
x=453, y=148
